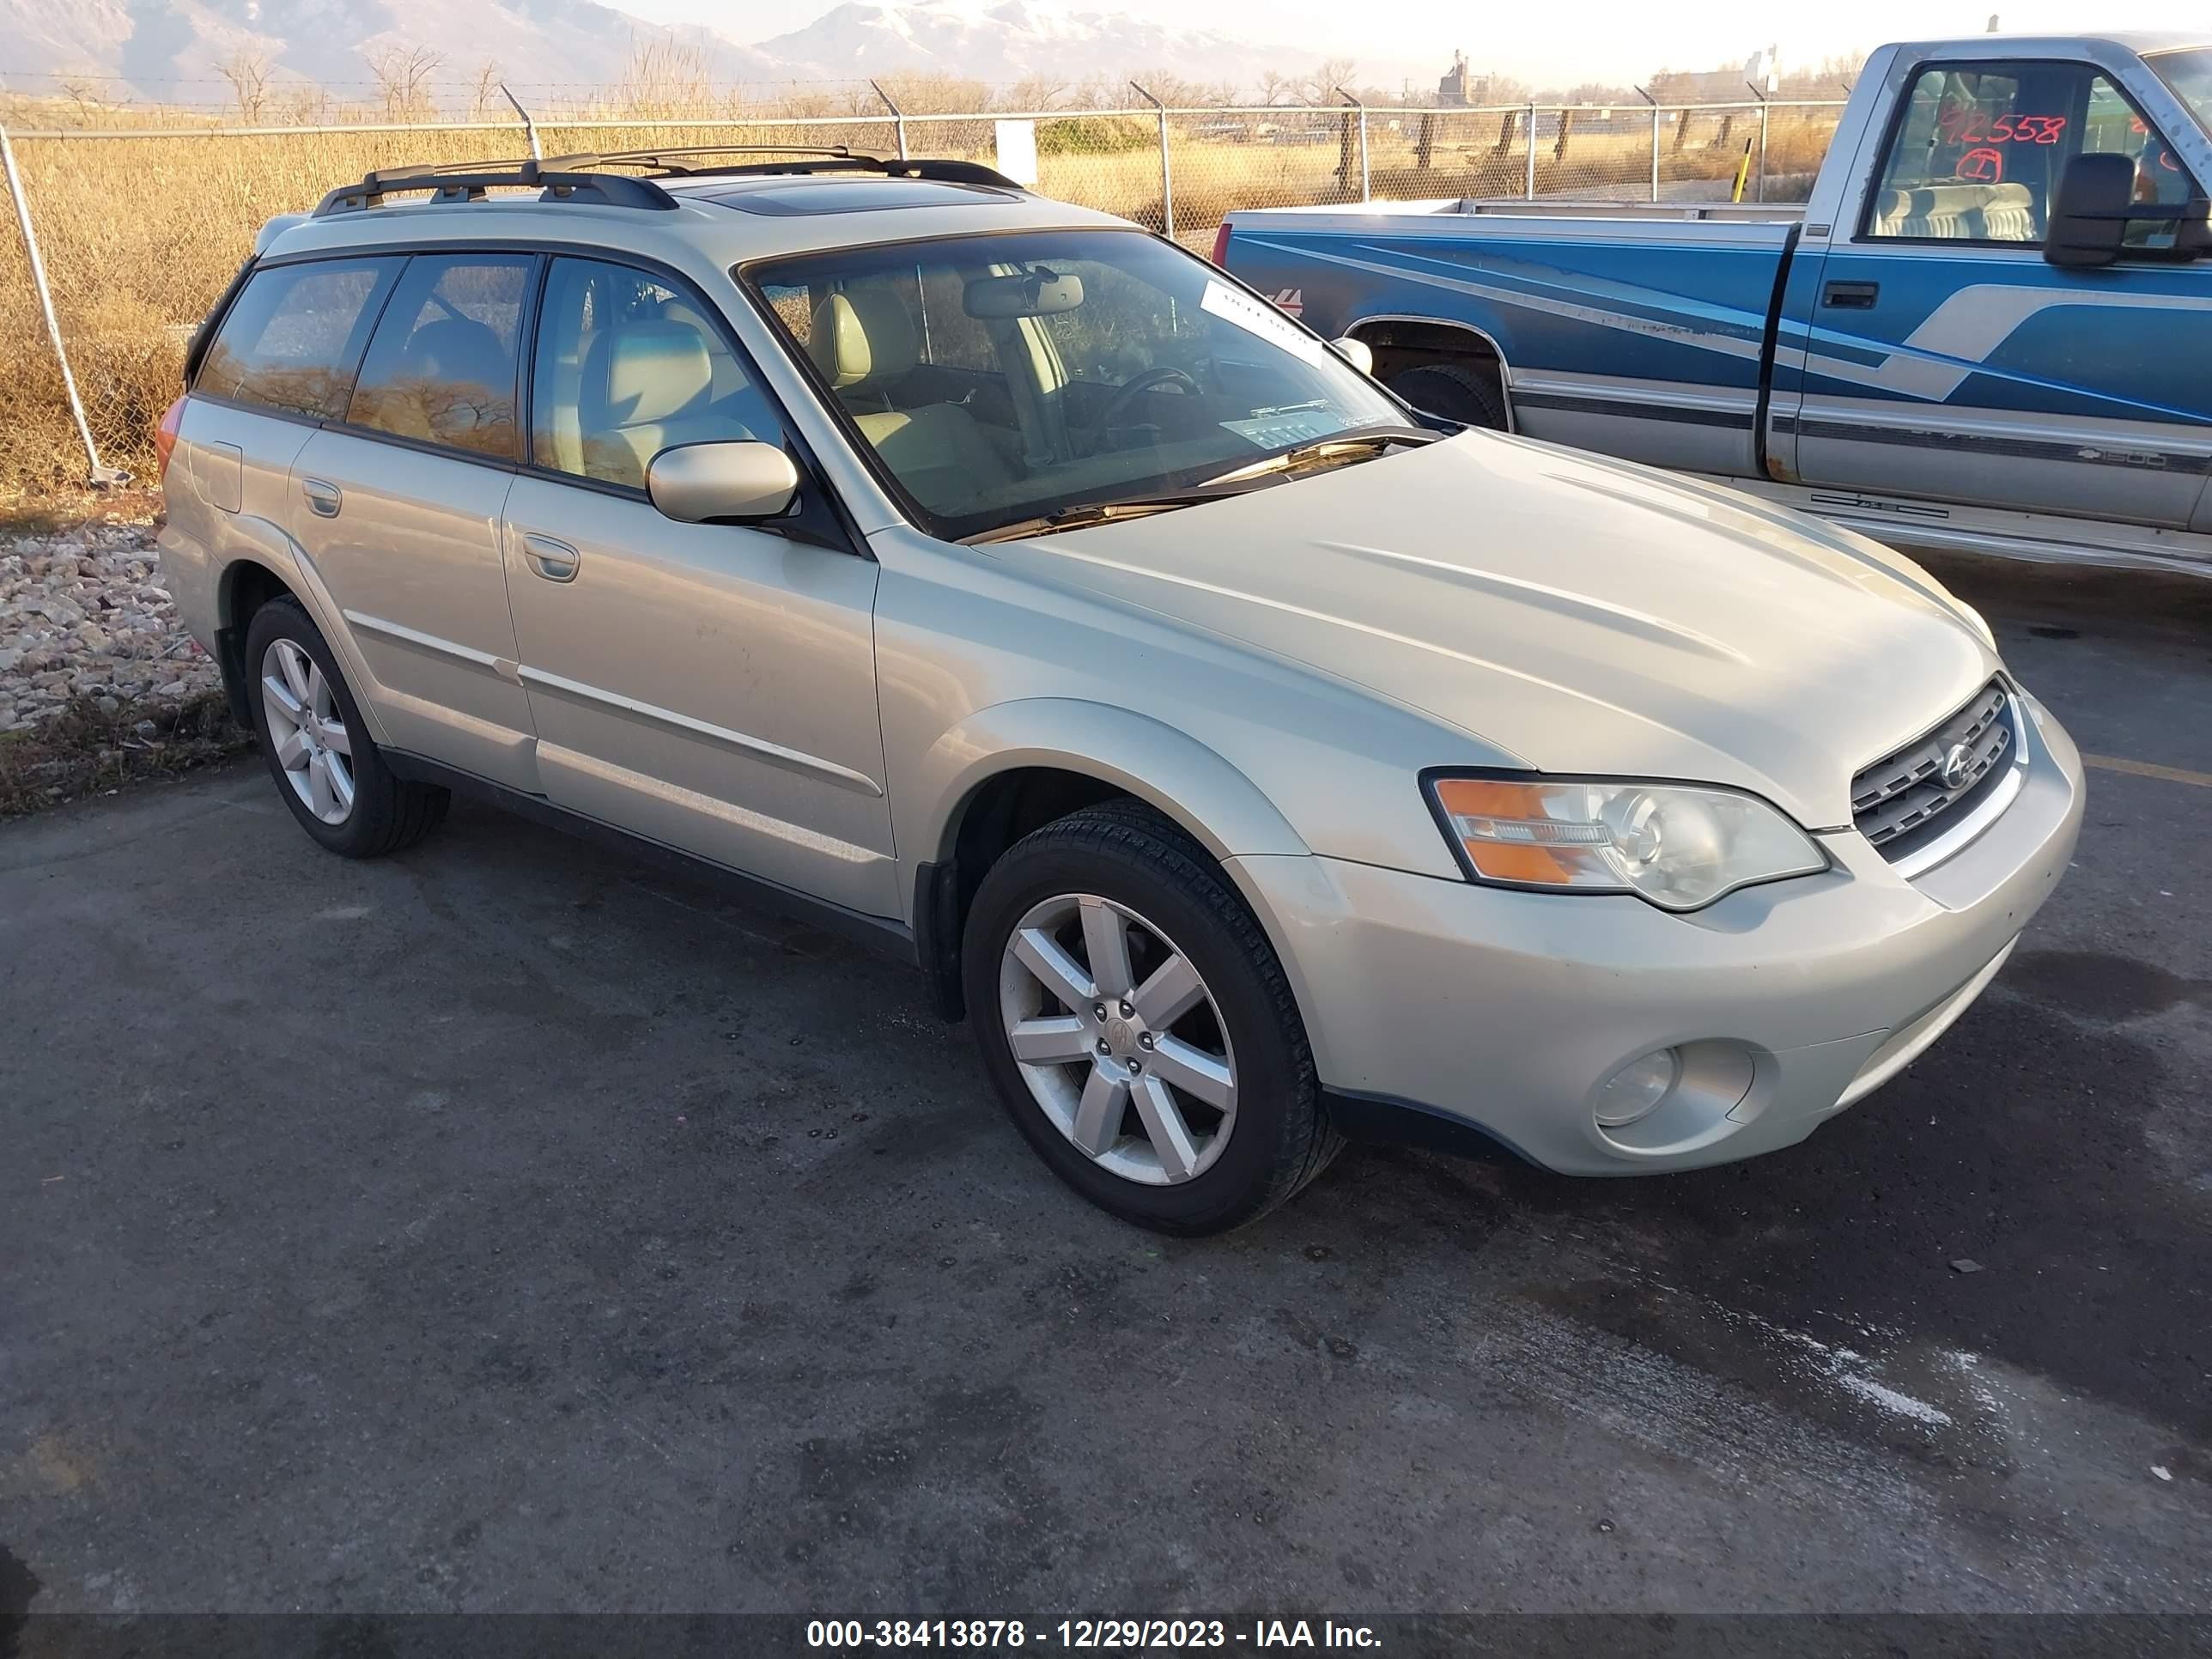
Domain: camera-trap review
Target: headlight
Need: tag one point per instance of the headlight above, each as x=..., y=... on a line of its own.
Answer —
x=1677, y=845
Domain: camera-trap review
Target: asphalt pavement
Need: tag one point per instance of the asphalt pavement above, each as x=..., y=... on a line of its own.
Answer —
x=509, y=1225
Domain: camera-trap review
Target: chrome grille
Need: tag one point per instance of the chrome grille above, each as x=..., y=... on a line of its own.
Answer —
x=1898, y=802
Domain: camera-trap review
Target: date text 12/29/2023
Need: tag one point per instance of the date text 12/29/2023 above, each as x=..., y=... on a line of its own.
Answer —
x=1124, y=1635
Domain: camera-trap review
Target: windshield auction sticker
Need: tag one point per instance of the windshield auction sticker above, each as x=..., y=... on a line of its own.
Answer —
x=1257, y=316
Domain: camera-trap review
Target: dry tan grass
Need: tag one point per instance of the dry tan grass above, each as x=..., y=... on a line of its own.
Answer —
x=140, y=234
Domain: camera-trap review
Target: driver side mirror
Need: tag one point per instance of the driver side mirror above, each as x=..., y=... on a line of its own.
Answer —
x=2095, y=204
x=734, y=481
x=2089, y=219
x=1357, y=352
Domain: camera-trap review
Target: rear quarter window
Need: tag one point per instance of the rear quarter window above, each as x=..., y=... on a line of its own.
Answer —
x=293, y=340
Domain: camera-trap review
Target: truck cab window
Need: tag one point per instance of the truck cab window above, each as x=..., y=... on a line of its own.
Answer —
x=1979, y=150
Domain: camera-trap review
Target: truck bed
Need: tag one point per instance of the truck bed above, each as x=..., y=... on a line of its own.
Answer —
x=1639, y=329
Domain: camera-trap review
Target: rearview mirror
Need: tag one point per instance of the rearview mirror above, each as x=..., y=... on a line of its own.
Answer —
x=1357, y=352
x=729, y=482
x=1032, y=294
x=2089, y=218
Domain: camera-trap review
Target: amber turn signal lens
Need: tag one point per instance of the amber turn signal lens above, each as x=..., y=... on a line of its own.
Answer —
x=1504, y=830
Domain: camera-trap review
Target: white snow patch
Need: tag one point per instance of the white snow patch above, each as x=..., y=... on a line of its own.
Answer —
x=1898, y=1404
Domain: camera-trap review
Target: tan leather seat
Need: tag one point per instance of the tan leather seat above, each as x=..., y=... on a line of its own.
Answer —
x=865, y=342
x=647, y=387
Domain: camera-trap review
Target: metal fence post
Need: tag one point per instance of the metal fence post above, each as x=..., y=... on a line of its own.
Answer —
x=1654, y=102
x=898, y=117
x=1366, y=178
x=1760, y=194
x=1531, y=190
x=1167, y=170
x=99, y=476
x=529, y=126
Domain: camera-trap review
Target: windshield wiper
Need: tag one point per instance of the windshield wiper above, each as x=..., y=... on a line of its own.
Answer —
x=1376, y=438
x=1090, y=513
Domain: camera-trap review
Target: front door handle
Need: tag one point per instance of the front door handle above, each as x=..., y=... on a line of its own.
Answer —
x=554, y=560
x=1851, y=296
x=324, y=499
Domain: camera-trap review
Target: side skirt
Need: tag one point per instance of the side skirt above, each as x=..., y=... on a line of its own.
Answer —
x=1913, y=524
x=879, y=935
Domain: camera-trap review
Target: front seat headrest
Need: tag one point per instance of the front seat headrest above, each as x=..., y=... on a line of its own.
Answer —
x=863, y=337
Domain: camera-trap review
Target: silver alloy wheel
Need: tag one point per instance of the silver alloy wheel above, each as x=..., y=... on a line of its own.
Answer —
x=1118, y=1039
x=308, y=730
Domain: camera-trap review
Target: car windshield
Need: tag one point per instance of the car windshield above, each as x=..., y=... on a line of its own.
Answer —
x=2190, y=74
x=1000, y=378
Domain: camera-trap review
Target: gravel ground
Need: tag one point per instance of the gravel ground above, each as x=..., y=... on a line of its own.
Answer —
x=99, y=686
x=84, y=614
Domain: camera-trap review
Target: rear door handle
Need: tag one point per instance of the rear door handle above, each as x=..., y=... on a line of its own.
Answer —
x=1851, y=296
x=324, y=499
x=554, y=560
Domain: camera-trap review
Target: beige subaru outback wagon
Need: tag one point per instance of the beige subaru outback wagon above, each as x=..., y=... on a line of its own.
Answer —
x=1254, y=761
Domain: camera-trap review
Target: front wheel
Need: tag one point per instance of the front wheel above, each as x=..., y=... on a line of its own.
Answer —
x=1139, y=1026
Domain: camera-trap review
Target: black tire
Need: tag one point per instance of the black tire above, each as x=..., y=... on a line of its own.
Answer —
x=388, y=813
x=1126, y=853
x=1465, y=395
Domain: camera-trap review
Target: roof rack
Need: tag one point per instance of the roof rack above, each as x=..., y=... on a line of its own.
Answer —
x=576, y=177
x=563, y=178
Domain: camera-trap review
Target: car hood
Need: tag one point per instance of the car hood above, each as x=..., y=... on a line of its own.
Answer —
x=1576, y=614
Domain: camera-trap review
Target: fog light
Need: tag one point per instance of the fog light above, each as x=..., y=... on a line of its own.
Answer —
x=1635, y=1092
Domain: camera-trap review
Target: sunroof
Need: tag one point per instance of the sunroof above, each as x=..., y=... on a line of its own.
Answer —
x=854, y=196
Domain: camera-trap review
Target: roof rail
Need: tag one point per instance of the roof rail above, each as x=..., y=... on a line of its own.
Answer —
x=826, y=159
x=563, y=178
x=577, y=178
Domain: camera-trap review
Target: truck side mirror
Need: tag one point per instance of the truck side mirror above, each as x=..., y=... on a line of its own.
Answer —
x=2090, y=217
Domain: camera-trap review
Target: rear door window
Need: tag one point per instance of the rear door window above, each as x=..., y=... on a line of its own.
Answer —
x=441, y=368
x=293, y=339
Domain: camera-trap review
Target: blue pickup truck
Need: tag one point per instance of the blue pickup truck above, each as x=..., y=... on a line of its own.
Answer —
x=1989, y=329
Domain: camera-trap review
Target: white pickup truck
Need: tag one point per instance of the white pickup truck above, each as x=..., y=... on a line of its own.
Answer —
x=1989, y=329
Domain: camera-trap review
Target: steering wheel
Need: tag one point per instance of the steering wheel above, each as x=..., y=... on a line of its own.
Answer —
x=1136, y=384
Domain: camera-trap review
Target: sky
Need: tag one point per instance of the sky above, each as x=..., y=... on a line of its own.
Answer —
x=1581, y=40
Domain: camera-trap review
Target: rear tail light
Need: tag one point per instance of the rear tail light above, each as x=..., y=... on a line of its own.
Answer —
x=1221, y=246
x=165, y=438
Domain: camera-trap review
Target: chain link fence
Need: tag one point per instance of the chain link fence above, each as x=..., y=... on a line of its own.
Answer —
x=140, y=230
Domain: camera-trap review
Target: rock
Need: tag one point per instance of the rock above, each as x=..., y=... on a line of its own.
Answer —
x=11, y=660
x=1965, y=1265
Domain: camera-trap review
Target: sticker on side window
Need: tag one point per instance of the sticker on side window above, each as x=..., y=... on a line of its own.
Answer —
x=1257, y=316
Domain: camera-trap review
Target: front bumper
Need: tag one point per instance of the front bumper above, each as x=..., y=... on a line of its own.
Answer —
x=1509, y=1011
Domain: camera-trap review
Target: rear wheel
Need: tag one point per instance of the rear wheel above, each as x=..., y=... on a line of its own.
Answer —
x=1139, y=1027
x=326, y=766
x=1457, y=393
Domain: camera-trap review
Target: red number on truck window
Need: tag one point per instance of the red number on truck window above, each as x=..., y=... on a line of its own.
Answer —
x=1966, y=126
x=1984, y=167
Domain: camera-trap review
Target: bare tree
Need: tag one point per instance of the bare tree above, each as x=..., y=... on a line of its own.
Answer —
x=485, y=97
x=1319, y=87
x=403, y=74
x=84, y=92
x=247, y=71
x=666, y=79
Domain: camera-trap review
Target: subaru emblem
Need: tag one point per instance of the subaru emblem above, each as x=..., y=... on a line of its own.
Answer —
x=1956, y=762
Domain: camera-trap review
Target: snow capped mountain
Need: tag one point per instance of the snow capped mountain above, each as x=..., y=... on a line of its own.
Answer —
x=172, y=50
x=1012, y=40
x=175, y=50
